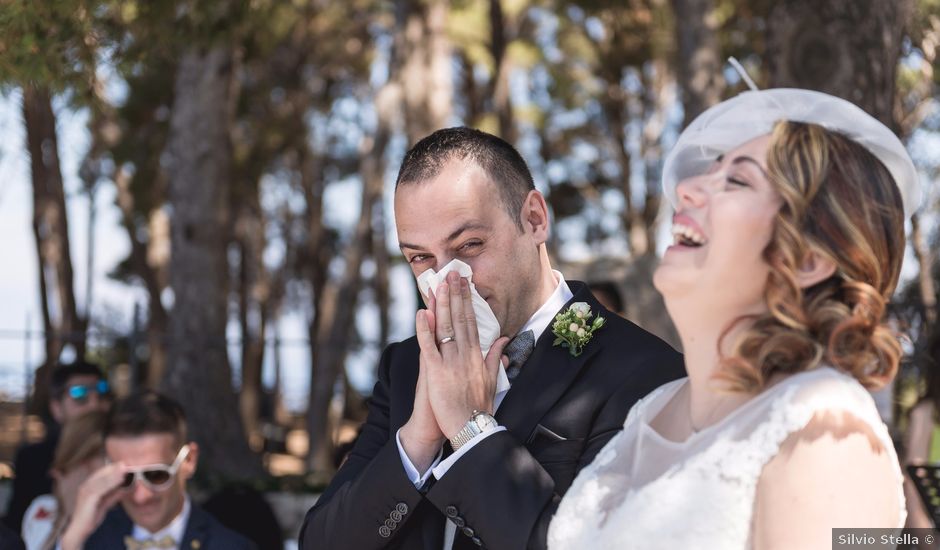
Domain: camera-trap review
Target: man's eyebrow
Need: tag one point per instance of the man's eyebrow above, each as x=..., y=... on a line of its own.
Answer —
x=745, y=158
x=469, y=226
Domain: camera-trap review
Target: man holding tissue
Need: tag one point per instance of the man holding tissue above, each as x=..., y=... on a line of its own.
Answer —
x=516, y=378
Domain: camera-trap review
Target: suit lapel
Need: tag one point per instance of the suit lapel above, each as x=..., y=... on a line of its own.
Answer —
x=196, y=535
x=545, y=376
x=116, y=526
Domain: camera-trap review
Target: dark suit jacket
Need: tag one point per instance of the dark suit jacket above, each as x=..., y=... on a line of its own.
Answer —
x=10, y=540
x=31, y=465
x=560, y=411
x=203, y=532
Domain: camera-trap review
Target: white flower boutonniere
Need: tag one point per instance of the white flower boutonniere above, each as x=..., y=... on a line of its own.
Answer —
x=573, y=328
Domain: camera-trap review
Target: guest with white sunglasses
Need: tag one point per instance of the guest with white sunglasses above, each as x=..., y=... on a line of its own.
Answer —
x=150, y=460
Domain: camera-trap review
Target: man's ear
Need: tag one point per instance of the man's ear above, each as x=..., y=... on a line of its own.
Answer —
x=188, y=468
x=815, y=269
x=535, y=216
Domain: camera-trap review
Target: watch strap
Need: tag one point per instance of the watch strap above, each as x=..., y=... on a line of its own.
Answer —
x=468, y=432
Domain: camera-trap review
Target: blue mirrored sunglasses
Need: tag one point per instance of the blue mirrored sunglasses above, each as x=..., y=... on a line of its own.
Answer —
x=79, y=392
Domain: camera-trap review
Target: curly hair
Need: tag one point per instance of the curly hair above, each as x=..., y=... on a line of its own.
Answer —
x=840, y=202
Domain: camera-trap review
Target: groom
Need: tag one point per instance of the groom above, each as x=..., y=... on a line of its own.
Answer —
x=455, y=454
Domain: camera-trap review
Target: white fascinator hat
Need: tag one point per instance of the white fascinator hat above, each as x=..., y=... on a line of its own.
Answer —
x=750, y=114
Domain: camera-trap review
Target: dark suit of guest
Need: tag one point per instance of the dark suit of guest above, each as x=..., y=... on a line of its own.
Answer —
x=560, y=411
x=203, y=532
x=31, y=466
x=10, y=540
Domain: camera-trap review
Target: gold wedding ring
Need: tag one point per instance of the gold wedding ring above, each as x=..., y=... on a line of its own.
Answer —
x=444, y=340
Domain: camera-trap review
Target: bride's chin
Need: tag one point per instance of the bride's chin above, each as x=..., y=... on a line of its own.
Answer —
x=669, y=283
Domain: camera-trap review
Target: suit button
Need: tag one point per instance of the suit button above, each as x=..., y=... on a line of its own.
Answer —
x=385, y=532
x=451, y=511
x=395, y=515
x=391, y=524
x=402, y=508
x=468, y=531
x=459, y=522
x=477, y=541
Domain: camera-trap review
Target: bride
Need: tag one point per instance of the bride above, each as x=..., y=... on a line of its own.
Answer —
x=789, y=237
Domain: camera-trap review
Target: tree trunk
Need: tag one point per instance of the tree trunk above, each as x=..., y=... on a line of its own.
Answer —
x=337, y=310
x=847, y=48
x=615, y=105
x=656, y=101
x=427, y=77
x=253, y=297
x=149, y=274
x=198, y=165
x=699, y=60
x=925, y=263
x=381, y=282
x=61, y=322
x=502, y=69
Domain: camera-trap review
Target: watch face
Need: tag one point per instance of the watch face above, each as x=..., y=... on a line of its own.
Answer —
x=484, y=420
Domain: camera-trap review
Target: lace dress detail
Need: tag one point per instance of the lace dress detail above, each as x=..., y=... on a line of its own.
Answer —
x=645, y=491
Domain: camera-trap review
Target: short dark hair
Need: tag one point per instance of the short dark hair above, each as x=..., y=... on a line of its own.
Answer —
x=500, y=160
x=146, y=412
x=59, y=379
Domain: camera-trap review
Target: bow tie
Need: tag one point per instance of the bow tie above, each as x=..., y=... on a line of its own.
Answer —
x=518, y=350
x=133, y=544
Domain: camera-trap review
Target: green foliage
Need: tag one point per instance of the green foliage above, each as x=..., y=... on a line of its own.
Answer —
x=47, y=43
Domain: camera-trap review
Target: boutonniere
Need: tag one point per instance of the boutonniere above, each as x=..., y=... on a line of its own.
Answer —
x=573, y=328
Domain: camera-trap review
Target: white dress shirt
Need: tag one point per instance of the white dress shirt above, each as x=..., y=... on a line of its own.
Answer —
x=539, y=321
x=39, y=521
x=175, y=530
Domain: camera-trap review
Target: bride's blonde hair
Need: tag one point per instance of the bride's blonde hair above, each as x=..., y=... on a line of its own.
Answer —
x=842, y=203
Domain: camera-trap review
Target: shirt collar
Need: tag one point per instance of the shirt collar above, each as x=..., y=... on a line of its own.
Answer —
x=175, y=530
x=544, y=316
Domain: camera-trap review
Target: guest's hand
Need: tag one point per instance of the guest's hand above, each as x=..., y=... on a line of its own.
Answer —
x=421, y=437
x=459, y=380
x=96, y=495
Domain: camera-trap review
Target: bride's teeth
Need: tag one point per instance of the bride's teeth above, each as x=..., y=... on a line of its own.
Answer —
x=682, y=232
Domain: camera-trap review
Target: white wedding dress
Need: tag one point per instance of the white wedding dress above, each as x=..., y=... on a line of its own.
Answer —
x=645, y=491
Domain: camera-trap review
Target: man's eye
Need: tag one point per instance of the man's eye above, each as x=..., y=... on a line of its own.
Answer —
x=470, y=248
x=417, y=259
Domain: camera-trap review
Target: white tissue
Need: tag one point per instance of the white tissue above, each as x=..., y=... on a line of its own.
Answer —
x=487, y=325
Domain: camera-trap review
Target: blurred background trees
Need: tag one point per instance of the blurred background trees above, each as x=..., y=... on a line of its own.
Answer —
x=251, y=147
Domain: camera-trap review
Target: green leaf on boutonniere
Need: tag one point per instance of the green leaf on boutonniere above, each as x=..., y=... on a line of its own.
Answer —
x=574, y=329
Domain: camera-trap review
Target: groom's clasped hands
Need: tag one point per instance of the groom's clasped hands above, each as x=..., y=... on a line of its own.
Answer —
x=454, y=378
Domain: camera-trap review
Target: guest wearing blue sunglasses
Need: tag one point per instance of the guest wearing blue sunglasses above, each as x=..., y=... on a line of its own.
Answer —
x=74, y=389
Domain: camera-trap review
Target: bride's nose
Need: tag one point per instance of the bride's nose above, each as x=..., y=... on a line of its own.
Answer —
x=691, y=191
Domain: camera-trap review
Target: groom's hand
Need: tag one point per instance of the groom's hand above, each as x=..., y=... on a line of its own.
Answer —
x=421, y=437
x=459, y=380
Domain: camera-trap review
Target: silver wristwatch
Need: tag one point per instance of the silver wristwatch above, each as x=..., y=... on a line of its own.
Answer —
x=479, y=422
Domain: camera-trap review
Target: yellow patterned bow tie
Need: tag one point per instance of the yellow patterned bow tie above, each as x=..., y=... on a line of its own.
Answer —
x=133, y=544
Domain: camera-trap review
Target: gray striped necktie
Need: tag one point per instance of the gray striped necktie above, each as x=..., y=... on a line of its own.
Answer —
x=518, y=350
